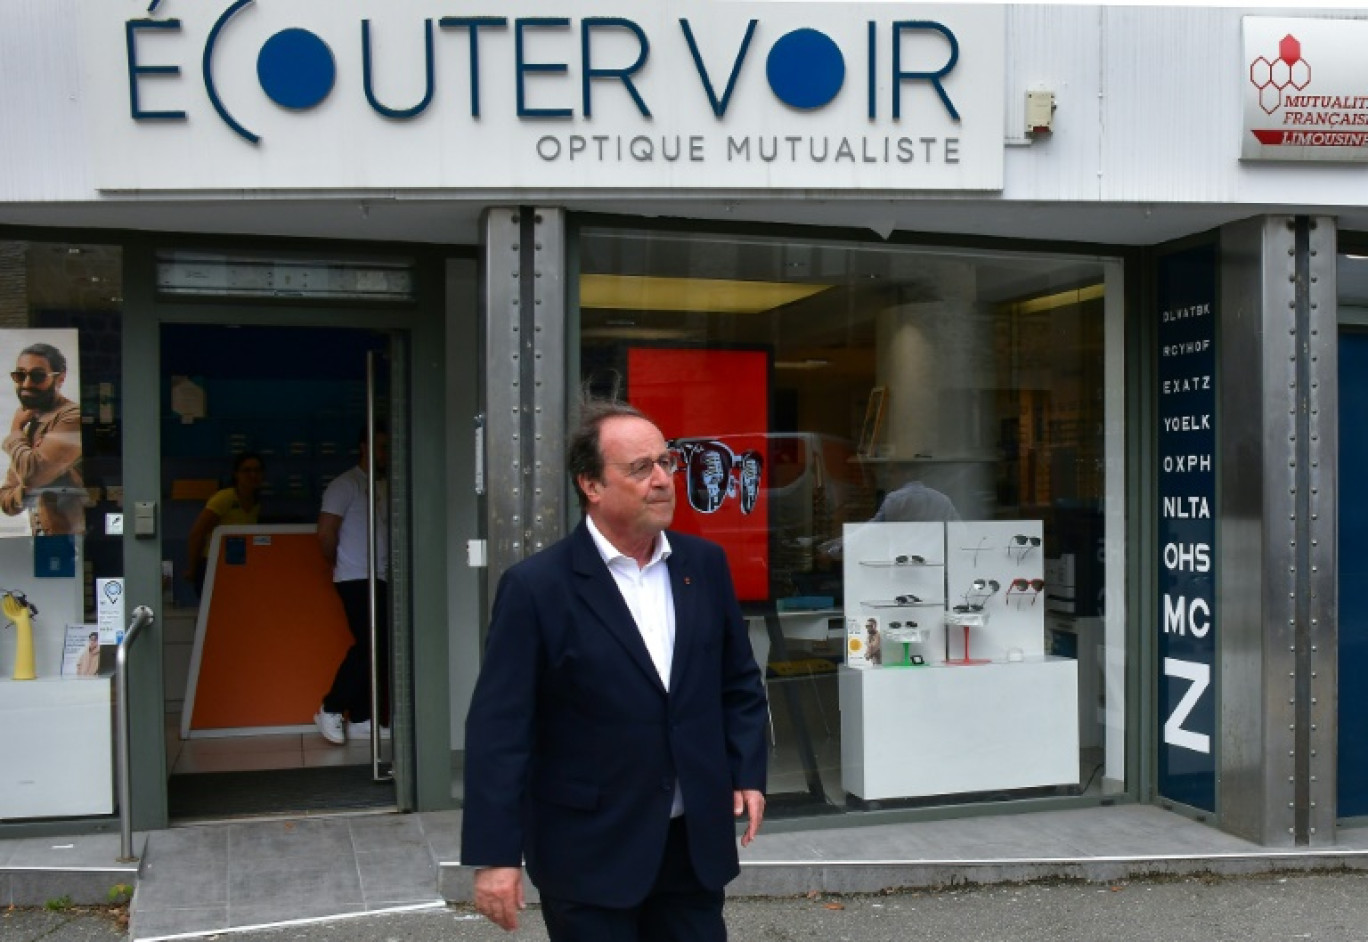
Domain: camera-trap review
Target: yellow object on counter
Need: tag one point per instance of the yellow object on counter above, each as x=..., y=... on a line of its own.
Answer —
x=17, y=611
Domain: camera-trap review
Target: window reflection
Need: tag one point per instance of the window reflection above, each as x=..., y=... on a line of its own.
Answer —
x=897, y=384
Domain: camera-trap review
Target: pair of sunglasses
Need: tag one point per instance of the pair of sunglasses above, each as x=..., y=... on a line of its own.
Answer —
x=1020, y=587
x=897, y=601
x=38, y=375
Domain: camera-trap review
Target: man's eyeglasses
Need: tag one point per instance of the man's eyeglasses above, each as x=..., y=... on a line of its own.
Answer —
x=38, y=375
x=642, y=467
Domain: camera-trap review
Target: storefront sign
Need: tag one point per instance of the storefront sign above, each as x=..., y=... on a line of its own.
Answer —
x=589, y=95
x=1306, y=91
x=1187, y=527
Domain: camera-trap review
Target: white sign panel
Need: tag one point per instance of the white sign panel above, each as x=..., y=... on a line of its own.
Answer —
x=109, y=610
x=1305, y=89
x=586, y=95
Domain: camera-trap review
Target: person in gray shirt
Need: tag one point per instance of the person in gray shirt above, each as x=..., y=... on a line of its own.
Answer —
x=914, y=501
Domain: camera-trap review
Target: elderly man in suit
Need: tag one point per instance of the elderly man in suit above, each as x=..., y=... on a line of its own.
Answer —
x=618, y=725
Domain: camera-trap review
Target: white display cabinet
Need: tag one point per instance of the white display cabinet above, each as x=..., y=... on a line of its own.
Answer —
x=943, y=730
x=56, y=733
x=961, y=696
x=57, y=744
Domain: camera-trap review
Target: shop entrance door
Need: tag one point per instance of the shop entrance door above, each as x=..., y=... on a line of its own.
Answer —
x=1353, y=571
x=257, y=423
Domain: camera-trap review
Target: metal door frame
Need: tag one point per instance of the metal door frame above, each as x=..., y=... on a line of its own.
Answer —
x=419, y=664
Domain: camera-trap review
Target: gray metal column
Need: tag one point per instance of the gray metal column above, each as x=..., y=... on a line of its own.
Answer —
x=1276, y=539
x=1319, y=672
x=524, y=381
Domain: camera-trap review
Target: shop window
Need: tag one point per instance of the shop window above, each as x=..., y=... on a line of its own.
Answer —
x=912, y=457
x=61, y=562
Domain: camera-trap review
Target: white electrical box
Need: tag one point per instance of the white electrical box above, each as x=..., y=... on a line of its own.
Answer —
x=1040, y=106
x=145, y=518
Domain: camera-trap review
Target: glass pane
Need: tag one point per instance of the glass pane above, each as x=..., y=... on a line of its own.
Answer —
x=913, y=459
x=61, y=307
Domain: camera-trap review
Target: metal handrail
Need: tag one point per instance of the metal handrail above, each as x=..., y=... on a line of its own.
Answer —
x=142, y=617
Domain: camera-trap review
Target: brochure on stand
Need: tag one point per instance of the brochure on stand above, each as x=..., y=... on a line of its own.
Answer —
x=82, y=653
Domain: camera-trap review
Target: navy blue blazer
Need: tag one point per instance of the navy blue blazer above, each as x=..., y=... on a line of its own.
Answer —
x=573, y=746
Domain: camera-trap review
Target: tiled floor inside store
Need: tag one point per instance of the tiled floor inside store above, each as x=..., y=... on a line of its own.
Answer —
x=293, y=750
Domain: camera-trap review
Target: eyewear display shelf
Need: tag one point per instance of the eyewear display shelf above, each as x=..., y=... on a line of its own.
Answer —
x=57, y=744
x=948, y=729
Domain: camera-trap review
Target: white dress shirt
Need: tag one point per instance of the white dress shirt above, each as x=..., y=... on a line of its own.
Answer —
x=646, y=590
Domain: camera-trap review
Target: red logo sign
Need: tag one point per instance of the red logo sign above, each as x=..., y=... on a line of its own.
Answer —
x=1289, y=69
x=1303, y=119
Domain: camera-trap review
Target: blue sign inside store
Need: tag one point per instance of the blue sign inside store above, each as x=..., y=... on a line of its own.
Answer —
x=1187, y=527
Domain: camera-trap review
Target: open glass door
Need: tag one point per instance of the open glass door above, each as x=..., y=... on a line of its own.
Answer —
x=284, y=449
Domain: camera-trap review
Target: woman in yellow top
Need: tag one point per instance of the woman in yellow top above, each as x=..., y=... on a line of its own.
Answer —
x=232, y=505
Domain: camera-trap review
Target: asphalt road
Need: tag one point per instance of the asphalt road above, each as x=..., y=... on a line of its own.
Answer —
x=1332, y=907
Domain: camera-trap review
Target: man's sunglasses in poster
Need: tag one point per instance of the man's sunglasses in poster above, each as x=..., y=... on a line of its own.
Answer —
x=38, y=375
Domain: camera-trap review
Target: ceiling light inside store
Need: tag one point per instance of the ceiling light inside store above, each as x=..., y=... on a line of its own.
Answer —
x=1049, y=302
x=714, y=295
x=636, y=333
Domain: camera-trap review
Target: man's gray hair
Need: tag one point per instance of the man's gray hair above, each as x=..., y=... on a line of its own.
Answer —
x=583, y=455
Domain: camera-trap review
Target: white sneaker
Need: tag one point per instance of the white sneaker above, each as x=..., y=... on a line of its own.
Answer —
x=330, y=727
x=362, y=730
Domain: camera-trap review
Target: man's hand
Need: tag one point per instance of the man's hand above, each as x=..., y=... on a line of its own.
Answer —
x=751, y=803
x=21, y=418
x=499, y=895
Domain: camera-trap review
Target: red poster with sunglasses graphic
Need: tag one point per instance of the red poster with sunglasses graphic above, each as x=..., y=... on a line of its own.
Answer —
x=713, y=407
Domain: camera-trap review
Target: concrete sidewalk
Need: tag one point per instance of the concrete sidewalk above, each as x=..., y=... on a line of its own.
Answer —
x=84, y=869
x=198, y=881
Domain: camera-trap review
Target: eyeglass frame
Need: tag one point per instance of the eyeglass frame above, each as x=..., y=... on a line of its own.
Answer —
x=976, y=549
x=639, y=471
